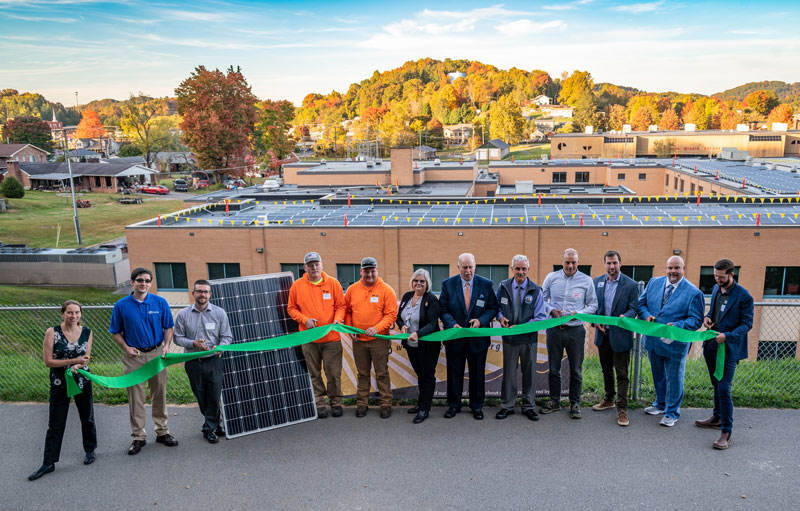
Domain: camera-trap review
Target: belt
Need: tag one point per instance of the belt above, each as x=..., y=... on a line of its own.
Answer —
x=568, y=327
x=148, y=350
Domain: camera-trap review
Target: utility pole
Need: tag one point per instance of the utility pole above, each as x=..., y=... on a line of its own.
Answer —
x=72, y=188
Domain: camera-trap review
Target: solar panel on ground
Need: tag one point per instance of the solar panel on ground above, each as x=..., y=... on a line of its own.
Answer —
x=261, y=389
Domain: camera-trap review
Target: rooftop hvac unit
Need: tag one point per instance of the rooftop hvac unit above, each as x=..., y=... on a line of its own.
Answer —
x=780, y=126
x=689, y=127
x=652, y=128
x=378, y=161
x=742, y=127
x=323, y=161
x=370, y=164
x=626, y=128
x=523, y=187
x=588, y=130
x=437, y=161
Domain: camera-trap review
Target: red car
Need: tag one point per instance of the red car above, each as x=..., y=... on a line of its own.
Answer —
x=203, y=183
x=156, y=189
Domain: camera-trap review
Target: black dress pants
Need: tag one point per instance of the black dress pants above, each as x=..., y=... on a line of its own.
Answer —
x=205, y=378
x=59, y=409
x=424, y=359
x=457, y=358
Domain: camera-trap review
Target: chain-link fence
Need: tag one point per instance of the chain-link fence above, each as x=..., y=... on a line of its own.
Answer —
x=770, y=378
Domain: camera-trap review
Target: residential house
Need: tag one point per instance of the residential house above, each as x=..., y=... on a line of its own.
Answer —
x=494, y=149
x=100, y=176
x=457, y=134
x=558, y=111
x=423, y=152
x=542, y=100
x=19, y=153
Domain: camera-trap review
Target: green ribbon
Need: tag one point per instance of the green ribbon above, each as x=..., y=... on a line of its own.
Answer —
x=157, y=365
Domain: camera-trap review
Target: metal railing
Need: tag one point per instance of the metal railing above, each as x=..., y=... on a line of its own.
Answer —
x=769, y=378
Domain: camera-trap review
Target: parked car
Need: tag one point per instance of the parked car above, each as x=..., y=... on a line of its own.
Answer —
x=235, y=183
x=156, y=189
x=180, y=185
x=203, y=183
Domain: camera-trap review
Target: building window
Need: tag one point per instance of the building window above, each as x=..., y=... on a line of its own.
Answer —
x=439, y=272
x=675, y=185
x=773, y=350
x=643, y=177
x=223, y=270
x=583, y=268
x=765, y=138
x=296, y=268
x=638, y=273
x=691, y=190
x=667, y=182
x=782, y=281
x=682, y=183
x=621, y=176
x=494, y=272
x=581, y=177
x=171, y=277
x=706, y=283
x=348, y=274
x=559, y=177
x=700, y=189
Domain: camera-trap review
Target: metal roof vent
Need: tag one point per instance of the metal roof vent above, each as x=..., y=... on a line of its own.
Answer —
x=323, y=161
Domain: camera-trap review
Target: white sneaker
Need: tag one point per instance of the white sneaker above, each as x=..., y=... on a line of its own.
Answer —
x=652, y=410
x=668, y=421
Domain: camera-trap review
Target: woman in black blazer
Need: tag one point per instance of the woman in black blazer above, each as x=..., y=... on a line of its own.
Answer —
x=418, y=315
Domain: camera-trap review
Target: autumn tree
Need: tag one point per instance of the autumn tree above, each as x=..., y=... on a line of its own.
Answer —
x=271, y=137
x=506, y=121
x=617, y=117
x=90, y=126
x=729, y=119
x=669, y=120
x=585, y=111
x=574, y=86
x=761, y=101
x=664, y=148
x=219, y=112
x=641, y=120
x=29, y=130
x=781, y=113
x=140, y=121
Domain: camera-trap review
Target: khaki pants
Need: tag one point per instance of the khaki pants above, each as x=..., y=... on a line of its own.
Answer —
x=375, y=353
x=136, y=395
x=327, y=355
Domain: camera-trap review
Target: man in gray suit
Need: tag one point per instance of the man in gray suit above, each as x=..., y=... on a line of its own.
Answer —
x=617, y=296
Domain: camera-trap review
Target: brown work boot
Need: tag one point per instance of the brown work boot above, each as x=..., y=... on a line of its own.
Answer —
x=723, y=442
x=622, y=417
x=605, y=404
x=710, y=423
x=361, y=411
x=386, y=412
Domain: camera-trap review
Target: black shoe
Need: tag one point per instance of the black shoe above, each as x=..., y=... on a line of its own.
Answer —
x=503, y=413
x=211, y=437
x=219, y=431
x=322, y=413
x=451, y=412
x=413, y=409
x=44, y=469
x=531, y=414
x=136, y=446
x=336, y=411
x=89, y=458
x=421, y=416
x=167, y=440
x=477, y=415
x=361, y=411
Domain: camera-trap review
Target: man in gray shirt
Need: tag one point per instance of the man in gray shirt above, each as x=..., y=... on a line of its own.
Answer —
x=201, y=327
x=566, y=292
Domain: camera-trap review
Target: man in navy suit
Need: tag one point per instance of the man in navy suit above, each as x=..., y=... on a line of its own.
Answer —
x=730, y=314
x=617, y=295
x=467, y=300
x=671, y=300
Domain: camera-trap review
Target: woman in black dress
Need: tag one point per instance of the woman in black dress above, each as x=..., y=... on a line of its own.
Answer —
x=67, y=347
x=418, y=315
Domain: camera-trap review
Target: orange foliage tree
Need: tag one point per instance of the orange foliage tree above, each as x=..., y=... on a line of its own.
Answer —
x=781, y=113
x=90, y=126
x=669, y=120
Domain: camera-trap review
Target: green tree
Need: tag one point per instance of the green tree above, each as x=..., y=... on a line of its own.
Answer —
x=271, y=136
x=219, y=113
x=29, y=130
x=129, y=150
x=139, y=121
x=664, y=148
x=574, y=86
x=585, y=112
x=12, y=188
x=506, y=121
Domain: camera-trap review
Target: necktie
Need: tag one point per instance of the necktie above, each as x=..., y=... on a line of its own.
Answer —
x=667, y=294
x=467, y=296
x=518, y=308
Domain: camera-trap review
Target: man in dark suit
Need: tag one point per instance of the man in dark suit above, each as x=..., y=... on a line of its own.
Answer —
x=617, y=295
x=730, y=314
x=467, y=300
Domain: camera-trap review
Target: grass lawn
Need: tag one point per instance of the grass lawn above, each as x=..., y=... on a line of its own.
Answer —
x=528, y=152
x=35, y=295
x=34, y=219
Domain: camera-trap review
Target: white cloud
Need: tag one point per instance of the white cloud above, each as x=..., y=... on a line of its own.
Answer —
x=563, y=7
x=40, y=18
x=639, y=8
x=526, y=27
x=196, y=16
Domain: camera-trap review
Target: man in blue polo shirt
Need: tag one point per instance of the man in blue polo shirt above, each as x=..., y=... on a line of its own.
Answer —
x=141, y=323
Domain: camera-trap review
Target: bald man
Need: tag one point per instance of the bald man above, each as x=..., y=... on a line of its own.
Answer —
x=671, y=300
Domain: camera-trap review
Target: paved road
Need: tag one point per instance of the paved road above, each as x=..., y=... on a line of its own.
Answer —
x=369, y=463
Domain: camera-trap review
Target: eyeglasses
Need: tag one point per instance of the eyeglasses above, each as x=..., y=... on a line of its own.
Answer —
x=143, y=281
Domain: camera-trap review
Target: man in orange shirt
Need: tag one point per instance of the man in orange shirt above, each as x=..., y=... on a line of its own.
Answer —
x=315, y=300
x=371, y=305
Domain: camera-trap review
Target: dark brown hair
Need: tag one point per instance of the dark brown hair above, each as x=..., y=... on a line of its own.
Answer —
x=72, y=302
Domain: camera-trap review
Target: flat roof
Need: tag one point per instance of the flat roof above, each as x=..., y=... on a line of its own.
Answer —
x=679, y=132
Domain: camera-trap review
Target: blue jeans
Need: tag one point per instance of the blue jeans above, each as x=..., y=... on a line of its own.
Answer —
x=723, y=399
x=668, y=376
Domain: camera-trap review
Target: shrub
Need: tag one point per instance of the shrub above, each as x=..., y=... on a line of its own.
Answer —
x=12, y=188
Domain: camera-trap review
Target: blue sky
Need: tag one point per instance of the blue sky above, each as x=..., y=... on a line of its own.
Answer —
x=288, y=49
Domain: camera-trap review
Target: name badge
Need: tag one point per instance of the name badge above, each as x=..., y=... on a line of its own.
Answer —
x=722, y=308
x=576, y=294
x=211, y=326
x=504, y=300
x=326, y=296
x=601, y=284
x=480, y=303
x=373, y=299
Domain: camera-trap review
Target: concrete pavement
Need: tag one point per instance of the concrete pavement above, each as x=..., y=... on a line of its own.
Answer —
x=370, y=463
